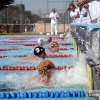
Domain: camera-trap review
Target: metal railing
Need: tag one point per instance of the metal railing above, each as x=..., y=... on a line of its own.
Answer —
x=87, y=37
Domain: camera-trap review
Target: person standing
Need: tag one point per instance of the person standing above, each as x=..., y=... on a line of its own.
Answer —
x=74, y=14
x=54, y=21
x=93, y=8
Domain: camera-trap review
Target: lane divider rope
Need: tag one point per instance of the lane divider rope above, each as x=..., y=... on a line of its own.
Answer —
x=9, y=49
x=44, y=94
x=47, y=56
x=63, y=44
x=18, y=68
x=55, y=37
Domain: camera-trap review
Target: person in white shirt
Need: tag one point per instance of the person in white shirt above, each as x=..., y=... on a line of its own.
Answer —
x=78, y=15
x=93, y=7
x=54, y=21
x=83, y=12
x=74, y=14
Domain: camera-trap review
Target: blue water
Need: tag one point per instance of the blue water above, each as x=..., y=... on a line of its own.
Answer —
x=26, y=50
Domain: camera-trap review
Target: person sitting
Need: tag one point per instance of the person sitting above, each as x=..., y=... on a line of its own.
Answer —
x=54, y=47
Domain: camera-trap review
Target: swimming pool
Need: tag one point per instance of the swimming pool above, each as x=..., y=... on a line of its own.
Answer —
x=70, y=79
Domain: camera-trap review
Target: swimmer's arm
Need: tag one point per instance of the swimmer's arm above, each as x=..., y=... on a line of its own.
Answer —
x=26, y=59
x=30, y=83
x=46, y=83
x=32, y=78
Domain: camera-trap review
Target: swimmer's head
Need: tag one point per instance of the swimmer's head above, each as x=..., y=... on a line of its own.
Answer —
x=62, y=36
x=40, y=41
x=55, y=46
x=45, y=67
x=49, y=39
x=39, y=50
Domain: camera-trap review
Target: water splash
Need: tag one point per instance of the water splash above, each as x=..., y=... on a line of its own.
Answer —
x=77, y=75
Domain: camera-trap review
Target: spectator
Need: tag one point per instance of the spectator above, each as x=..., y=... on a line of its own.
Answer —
x=93, y=9
x=74, y=14
x=83, y=12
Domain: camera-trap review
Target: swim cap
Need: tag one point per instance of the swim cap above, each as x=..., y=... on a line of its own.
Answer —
x=39, y=50
x=40, y=41
x=45, y=65
x=61, y=36
x=54, y=44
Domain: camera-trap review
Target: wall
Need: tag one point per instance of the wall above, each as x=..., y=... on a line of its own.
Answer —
x=39, y=27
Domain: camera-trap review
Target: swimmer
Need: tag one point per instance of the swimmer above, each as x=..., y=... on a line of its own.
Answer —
x=39, y=54
x=64, y=34
x=40, y=42
x=49, y=40
x=54, y=47
x=46, y=70
x=62, y=37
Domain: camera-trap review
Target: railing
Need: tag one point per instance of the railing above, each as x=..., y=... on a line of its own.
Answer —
x=87, y=37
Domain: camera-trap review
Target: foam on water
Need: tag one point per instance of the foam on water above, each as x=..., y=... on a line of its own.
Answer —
x=77, y=75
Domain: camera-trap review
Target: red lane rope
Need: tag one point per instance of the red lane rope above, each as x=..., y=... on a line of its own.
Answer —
x=16, y=41
x=18, y=68
x=10, y=44
x=63, y=44
x=30, y=38
x=9, y=49
x=36, y=37
x=2, y=56
x=21, y=39
x=47, y=56
x=11, y=41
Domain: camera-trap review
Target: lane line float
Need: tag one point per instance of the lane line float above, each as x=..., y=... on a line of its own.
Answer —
x=18, y=68
x=43, y=94
x=9, y=49
x=63, y=44
x=47, y=56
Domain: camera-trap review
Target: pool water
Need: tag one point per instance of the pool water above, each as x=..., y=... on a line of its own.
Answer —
x=73, y=79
